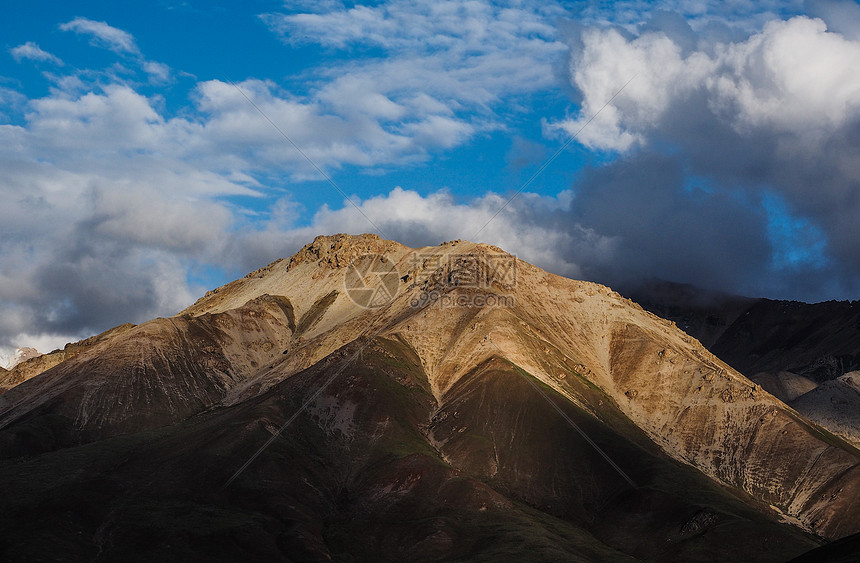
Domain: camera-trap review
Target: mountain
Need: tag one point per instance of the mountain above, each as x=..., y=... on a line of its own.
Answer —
x=841, y=551
x=820, y=341
x=363, y=400
x=20, y=355
x=32, y=364
x=835, y=405
x=704, y=314
x=799, y=352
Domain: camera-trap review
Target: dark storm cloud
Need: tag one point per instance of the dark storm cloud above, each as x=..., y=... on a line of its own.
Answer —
x=774, y=115
x=85, y=280
x=664, y=228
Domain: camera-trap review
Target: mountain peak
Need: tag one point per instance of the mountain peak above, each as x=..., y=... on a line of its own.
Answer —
x=320, y=268
x=20, y=355
x=340, y=250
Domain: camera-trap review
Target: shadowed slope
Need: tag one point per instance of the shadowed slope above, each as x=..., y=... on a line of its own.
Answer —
x=377, y=469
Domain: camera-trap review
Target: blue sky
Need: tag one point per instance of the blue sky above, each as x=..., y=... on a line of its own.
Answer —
x=142, y=167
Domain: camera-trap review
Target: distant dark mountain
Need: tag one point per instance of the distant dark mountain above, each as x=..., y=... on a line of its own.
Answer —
x=482, y=410
x=704, y=314
x=818, y=341
x=804, y=354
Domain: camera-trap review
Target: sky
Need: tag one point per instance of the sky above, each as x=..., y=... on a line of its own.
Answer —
x=150, y=151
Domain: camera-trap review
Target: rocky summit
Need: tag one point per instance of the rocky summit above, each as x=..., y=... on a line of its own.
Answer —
x=367, y=401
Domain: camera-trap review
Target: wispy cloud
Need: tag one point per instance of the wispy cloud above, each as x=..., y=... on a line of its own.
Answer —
x=158, y=72
x=453, y=26
x=102, y=35
x=448, y=66
x=120, y=42
x=707, y=17
x=33, y=52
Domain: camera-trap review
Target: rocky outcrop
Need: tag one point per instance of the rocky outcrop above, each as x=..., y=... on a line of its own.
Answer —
x=790, y=348
x=339, y=251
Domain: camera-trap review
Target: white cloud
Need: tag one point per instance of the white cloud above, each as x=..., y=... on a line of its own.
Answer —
x=141, y=215
x=655, y=74
x=793, y=77
x=773, y=114
x=117, y=119
x=524, y=228
x=43, y=343
x=33, y=52
x=122, y=43
x=404, y=25
x=158, y=72
x=439, y=131
x=102, y=35
x=114, y=199
x=103, y=206
x=448, y=65
x=107, y=199
x=237, y=131
x=842, y=16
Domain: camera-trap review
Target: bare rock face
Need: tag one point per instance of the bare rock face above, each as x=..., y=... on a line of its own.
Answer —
x=339, y=251
x=784, y=385
x=489, y=409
